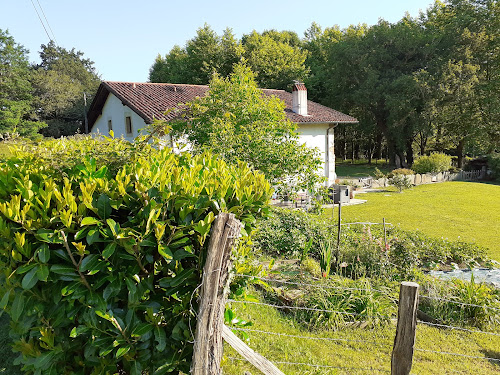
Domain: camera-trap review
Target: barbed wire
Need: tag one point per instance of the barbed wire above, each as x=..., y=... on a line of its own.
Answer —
x=459, y=355
x=458, y=328
x=459, y=303
x=366, y=223
x=319, y=366
x=306, y=308
x=314, y=285
x=308, y=337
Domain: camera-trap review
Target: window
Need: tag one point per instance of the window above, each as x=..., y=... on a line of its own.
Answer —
x=128, y=125
x=110, y=125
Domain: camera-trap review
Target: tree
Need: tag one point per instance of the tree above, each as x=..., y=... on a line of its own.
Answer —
x=237, y=122
x=275, y=58
x=60, y=82
x=16, y=110
x=202, y=56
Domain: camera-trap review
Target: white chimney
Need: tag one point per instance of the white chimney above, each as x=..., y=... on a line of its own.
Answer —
x=299, y=98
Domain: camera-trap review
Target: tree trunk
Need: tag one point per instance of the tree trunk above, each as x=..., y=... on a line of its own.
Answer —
x=460, y=153
x=409, y=152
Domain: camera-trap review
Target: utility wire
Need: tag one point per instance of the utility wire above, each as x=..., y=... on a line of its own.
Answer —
x=47, y=21
x=38, y=14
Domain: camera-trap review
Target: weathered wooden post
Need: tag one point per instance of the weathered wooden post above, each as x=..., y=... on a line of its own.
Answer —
x=207, y=353
x=402, y=353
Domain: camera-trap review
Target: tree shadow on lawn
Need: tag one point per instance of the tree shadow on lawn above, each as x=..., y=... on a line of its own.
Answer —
x=492, y=354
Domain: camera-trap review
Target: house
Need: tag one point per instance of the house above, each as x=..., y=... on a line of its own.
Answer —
x=127, y=107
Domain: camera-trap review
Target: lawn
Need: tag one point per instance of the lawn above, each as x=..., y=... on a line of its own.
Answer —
x=454, y=210
x=360, y=168
x=357, y=350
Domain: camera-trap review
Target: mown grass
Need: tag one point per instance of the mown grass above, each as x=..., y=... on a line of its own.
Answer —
x=360, y=168
x=363, y=351
x=454, y=210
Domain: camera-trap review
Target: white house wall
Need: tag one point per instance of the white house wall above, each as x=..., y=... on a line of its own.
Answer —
x=314, y=136
x=116, y=111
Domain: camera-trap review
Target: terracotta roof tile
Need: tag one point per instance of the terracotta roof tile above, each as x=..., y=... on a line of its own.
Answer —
x=151, y=100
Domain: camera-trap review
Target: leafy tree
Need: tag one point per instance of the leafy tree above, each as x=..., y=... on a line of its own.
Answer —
x=60, y=82
x=16, y=111
x=202, y=56
x=275, y=58
x=237, y=122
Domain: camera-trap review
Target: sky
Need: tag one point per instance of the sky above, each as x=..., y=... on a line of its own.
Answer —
x=124, y=37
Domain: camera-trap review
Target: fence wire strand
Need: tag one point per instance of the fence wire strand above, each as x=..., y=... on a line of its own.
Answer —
x=309, y=337
x=319, y=366
x=460, y=303
x=308, y=309
x=314, y=285
x=458, y=328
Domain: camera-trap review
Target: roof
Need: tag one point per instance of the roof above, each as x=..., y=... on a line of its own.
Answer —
x=151, y=100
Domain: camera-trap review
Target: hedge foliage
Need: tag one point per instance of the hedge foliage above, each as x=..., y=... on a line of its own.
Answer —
x=434, y=163
x=98, y=269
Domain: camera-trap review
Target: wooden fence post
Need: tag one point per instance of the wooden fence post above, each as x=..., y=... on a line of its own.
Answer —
x=261, y=363
x=207, y=351
x=402, y=353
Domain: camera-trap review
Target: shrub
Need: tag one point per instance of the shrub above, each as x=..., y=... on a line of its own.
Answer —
x=338, y=300
x=286, y=232
x=100, y=270
x=434, y=163
x=400, y=171
x=401, y=182
x=494, y=164
x=462, y=303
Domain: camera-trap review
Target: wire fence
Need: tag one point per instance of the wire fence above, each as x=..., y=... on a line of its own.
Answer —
x=389, y=294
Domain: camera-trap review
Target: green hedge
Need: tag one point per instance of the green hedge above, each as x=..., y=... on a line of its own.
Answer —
x=100, y=270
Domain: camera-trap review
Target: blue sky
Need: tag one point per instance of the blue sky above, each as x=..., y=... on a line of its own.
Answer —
x=124, y=37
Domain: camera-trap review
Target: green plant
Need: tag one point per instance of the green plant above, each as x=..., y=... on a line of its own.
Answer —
x=494, y=164
x=286, y=231
x=400, y=171
x=434, y=163
x=311, y=266
x=306, y=249
x=325, y=260
x=100, y=270
x=401, y=182
x=461, y=302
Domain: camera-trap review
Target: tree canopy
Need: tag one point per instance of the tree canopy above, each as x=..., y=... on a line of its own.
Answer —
x=17, y=114
x=238, y=122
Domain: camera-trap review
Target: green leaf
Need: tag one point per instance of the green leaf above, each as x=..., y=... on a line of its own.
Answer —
x=122, y=351
x=5, y=299
x=30, y=279
x=89, y=221
x=142, y=329
x=61, y=269
x=114, y=226
x=109, y=250
x=103, y=206
x=160, y=338
x=90, y=263
x=17, y=307
x=76, y=331
x=81, y=233
x=136, y=368
x=92, y=236
x=44, y=253
x=165, y=252
x=43, y=272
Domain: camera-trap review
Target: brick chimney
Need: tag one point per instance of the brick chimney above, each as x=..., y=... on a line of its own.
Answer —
x=299, y=98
